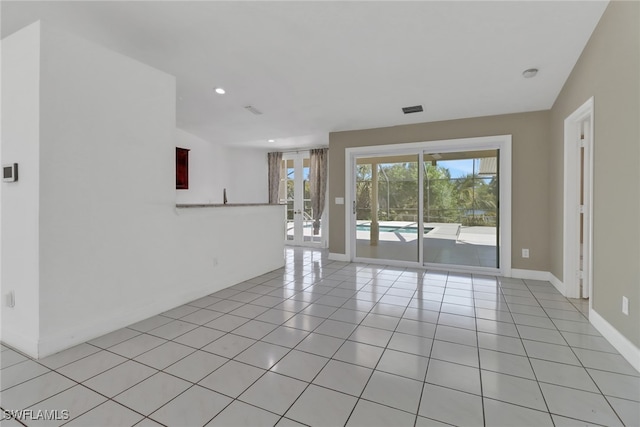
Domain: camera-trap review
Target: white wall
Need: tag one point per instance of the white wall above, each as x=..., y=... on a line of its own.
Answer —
x=113, y=247
x=214, y=167
x=248, y=176
x=106, y=141
x=19, y=218
x=208, y=169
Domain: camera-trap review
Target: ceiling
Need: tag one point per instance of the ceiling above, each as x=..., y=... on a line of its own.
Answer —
x=316, y=67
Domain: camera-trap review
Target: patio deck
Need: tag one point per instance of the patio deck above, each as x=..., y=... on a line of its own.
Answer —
x=446, y=244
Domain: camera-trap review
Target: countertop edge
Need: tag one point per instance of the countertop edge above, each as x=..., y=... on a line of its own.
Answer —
x=222, y=205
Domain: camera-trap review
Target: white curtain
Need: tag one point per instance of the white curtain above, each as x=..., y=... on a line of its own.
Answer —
x=318, y=184
x=274, y=160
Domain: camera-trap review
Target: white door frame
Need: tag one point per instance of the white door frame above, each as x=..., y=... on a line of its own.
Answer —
x=499, y=142
x=571, y=221
x=298, y=198
x=298, y=204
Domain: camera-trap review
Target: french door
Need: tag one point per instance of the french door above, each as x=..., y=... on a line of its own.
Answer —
x=443, y=204
x=295, y=193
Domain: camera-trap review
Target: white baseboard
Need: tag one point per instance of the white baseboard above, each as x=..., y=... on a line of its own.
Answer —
x=539, y=275
x=626, y=348
x=559, y=285
x=529, y=274
x=21, y=343
x=116, y=320
x=338, y=257
x=120, y=319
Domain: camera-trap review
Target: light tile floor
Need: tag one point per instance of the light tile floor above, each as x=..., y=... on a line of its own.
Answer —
x=327, y=343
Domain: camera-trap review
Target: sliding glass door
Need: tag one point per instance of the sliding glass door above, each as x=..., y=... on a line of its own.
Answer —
x=386, y=207
x=436, y=206
x=460, y=214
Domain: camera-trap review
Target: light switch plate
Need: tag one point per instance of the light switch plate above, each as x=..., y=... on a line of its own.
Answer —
x=10, y=172
x=339, y=200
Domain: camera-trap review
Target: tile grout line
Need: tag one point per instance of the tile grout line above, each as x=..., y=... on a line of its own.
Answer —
x=193, y=384
x=424, y=380
x=356, y=287
x=329, y=359
x=475, y=319
x=535, y=376
x=234, y=399
x=338, y=349
x=269, y=369
x=382, y=354
x=583, y=367
x=102, y=349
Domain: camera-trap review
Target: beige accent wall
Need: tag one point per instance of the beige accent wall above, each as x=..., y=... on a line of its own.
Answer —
x=530, y=202
x=608, y=70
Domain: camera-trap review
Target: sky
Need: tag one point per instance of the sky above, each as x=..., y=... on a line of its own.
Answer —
x=458, y=168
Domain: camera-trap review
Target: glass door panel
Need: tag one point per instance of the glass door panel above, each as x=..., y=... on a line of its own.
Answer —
x=307, y=210
x=460, y=212
x=287, y=196
x=296, y=193
x=386, y=207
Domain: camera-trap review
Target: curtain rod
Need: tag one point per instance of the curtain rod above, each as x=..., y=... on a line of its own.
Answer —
x=298, y=151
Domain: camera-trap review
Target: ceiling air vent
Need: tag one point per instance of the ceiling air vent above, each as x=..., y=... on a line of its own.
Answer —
x=253, y=110
x=414, y=109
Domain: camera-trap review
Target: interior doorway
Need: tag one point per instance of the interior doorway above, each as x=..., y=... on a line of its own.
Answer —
x=578, y=206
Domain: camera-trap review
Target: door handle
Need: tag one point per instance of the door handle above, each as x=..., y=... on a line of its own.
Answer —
x=354, y=207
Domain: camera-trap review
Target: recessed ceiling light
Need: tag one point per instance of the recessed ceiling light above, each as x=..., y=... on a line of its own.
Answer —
x=220, y=91
x=271, y=140
x=531, y=72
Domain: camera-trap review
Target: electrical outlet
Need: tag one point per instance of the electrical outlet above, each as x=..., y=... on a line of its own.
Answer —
x=625, y=305
x=525, y=253
x=215, y=261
